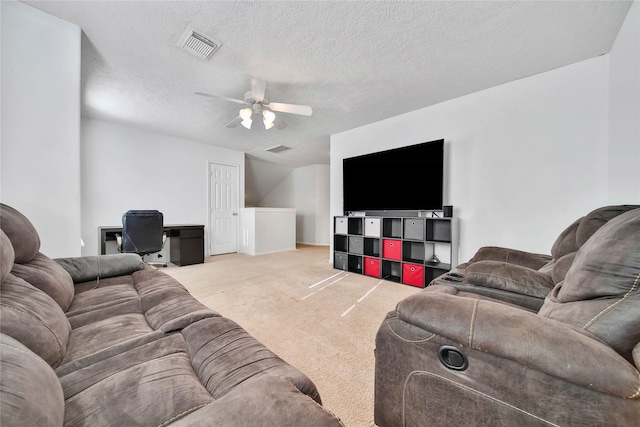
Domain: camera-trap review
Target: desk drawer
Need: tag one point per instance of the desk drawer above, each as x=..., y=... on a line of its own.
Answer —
x=190, y=232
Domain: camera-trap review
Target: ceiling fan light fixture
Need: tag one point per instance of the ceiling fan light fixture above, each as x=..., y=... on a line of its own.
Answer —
x=268, y=118
x=246, y=114
x=246, y=123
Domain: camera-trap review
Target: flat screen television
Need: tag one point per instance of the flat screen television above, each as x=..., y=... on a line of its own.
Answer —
x=401, y=179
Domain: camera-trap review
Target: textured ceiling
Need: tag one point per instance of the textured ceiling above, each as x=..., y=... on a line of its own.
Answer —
x=354, y=62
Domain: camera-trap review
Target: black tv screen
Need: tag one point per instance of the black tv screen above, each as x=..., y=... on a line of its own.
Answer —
x=407, y=178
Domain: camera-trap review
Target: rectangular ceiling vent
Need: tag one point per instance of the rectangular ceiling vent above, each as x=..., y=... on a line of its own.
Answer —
x=277, y=148
x=198, y=44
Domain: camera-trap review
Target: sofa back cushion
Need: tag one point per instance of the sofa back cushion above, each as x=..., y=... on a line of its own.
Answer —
x=597, y=218
x=600, y=293
x=48, y=276
x=7, y=255
x=31, y=265
x=577, y=234
x=30, y=393
x=566, y=241
x=33, y=318
x=22, y=234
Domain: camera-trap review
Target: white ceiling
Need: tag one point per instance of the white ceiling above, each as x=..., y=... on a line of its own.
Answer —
x=354, y=62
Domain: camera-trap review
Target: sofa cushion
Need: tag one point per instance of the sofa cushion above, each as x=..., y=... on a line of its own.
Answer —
x=224, y=355
x=103, y=283
x=264, y=401
x=92, y=301
x=101, y=335
x=21, y=233
x=154, y=287
x=30, y=393
x=561, y=266
x=597, y=218
x=33, y=318
x=46, y=275
x=151, y=393
x=600, y=293
x=7, y=255
x=177, y=312
x=566, y=241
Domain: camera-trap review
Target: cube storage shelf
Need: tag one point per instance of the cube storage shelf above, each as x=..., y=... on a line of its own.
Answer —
x=412, y=251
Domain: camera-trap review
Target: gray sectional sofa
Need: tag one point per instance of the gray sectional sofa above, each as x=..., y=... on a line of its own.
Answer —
x=451, y=356
x=108, y=341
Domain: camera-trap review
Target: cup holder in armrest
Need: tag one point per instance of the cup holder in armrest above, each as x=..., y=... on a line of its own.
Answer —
x=453, y=358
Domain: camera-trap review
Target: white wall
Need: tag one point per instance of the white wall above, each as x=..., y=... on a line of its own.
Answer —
x=261, y=178
x=323, y=232
x=267, y=230
x=41, y=124
x=524, y=159
x=307, y=190
x=125, y=168
x=624, y=112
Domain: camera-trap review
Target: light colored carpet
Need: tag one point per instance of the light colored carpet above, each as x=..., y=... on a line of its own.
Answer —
x=320, y=320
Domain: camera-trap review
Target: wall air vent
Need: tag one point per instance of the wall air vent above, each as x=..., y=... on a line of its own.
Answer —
x=198, y=44
x=277, y=148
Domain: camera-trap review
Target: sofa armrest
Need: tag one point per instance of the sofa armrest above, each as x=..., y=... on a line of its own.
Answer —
x=87, y=268
x=538, y=343
x=511, y=256
x=509, y=277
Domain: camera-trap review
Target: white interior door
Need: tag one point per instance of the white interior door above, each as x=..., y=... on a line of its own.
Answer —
x=223, y=209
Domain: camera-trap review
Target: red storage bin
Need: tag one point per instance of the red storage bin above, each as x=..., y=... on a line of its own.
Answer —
x=372, y=267
x=413, y=274
x=392, y=249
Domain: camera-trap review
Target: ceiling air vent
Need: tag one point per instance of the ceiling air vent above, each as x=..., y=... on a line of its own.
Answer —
x=277, y=148
x=198, y=44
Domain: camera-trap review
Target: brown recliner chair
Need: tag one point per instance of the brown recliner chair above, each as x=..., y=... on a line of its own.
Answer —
x=526, y=278
x=449, y=357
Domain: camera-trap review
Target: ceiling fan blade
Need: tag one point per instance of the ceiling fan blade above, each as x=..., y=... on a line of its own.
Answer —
x=235, y=122
x=304, y=110
x=279, y=123
x=224, y=98
x=258, y=87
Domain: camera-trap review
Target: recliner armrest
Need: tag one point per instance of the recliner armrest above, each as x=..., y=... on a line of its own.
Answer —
x=511, y=256
x=509, y=277
x=83, y=269
x=533, y=341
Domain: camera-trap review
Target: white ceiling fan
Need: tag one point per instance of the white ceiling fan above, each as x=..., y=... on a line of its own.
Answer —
x=258, y=105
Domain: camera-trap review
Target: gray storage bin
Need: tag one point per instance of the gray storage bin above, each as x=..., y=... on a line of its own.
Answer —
x=340, y=261
x=413, y=229
x=356, y=245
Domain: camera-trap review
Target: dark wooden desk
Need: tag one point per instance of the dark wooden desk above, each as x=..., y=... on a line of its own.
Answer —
x=187, y=242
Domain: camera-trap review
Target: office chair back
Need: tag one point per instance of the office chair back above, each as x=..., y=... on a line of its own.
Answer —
x=142, y=231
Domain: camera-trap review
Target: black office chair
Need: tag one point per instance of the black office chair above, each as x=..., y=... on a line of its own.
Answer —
x=142, y=233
